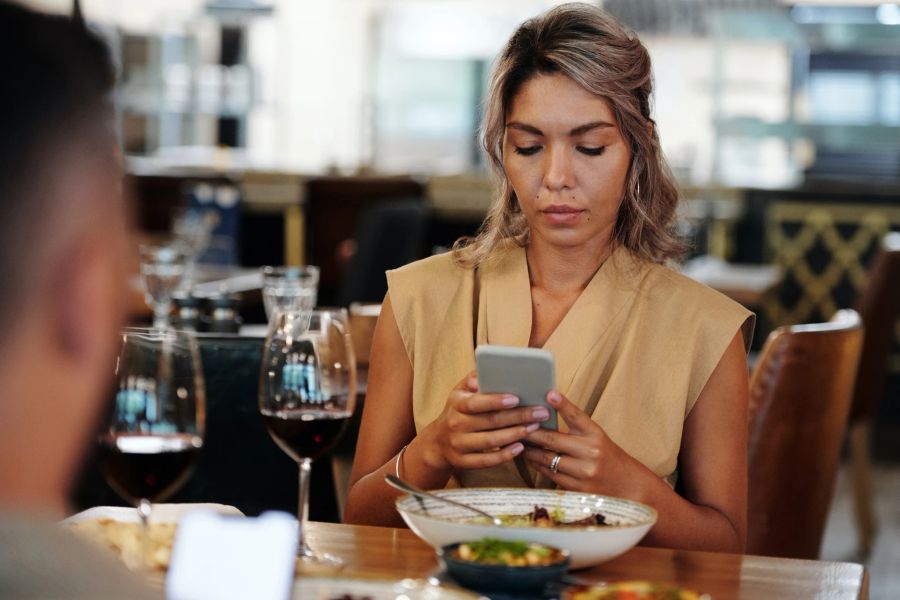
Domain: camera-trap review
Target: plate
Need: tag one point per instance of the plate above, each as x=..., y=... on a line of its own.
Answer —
x=441, y=524
x=118, y=529
x=162, y=513
x=326, y=588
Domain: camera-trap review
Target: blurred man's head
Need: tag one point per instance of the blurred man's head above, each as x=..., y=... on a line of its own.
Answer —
x=62, y=247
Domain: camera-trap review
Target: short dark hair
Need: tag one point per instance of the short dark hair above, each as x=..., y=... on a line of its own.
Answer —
x=57, y=77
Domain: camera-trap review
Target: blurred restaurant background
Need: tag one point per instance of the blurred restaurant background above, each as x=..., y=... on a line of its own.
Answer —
x=343, y=134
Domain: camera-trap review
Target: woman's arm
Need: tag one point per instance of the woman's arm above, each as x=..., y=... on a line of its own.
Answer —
x=473, y=431
x=712, y=515
x=387, y=424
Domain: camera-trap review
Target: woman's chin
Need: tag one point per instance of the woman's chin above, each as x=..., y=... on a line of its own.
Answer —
x=566, y=237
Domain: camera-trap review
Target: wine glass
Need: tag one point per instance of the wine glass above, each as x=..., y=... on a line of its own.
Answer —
x=192, y=231
x=162, y=269
x=155, y=431
x=289, y=288
x=307, y=393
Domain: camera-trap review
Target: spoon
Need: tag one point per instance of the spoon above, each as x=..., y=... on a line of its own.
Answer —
x=411, y=489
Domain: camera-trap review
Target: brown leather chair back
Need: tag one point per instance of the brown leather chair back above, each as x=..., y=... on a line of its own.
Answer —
x=879, y=307
x=799, y=400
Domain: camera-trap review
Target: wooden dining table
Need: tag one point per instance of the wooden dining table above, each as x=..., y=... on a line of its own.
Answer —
x=387, y=552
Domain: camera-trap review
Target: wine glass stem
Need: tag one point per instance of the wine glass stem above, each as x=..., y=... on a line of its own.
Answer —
x=187, y=282
x=161, y=314
x=303, y=507
x=143, y=510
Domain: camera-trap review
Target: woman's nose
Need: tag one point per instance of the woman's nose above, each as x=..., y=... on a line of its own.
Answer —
x=558, y=172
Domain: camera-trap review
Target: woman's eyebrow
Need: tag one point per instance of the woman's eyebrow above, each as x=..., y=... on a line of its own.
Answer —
x=524, y=127
x=580, y=130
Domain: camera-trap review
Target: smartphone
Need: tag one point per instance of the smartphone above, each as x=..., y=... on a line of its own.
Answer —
x=528, y=373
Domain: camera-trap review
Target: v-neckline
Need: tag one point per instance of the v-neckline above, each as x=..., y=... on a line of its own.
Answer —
x=509, y=316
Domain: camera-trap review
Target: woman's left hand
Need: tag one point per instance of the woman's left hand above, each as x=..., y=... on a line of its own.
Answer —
x=589, y=461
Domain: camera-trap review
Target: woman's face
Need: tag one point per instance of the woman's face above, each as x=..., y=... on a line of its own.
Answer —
x=566, y=160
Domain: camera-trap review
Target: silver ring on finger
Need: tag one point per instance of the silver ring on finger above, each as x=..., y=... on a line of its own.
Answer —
x=554, y=464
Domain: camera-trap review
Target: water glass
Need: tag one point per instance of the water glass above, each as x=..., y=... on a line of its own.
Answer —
x=192, y=232
x=291, y=289
x=162, y=270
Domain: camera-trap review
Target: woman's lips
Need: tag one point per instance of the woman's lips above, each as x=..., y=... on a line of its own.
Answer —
x=562, y=214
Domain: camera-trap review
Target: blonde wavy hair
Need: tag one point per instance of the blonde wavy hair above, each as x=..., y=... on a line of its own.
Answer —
x=589, y=46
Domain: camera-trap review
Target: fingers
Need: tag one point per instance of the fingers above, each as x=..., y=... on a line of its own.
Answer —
x=561, y=479
x=499, y=419
x=574, y=417
x=484, y=460
x=481, y=441
x=473, y=403
x=579, y=468
x=565, y=443
x=469, y=383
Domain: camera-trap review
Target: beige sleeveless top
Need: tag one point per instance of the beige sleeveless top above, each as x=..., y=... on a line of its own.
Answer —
x=634, y=351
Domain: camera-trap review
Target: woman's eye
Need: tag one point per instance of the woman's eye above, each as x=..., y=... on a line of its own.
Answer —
x=595, y=151
x=527, y=151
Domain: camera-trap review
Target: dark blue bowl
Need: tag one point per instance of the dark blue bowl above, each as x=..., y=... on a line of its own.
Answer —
x=486, y=578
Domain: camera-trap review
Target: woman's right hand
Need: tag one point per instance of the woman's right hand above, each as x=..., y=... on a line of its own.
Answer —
x=476, y=430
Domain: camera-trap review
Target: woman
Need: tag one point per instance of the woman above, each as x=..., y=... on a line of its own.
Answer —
x=651, y=366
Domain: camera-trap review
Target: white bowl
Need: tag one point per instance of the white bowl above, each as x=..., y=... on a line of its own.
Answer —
x=440, y=524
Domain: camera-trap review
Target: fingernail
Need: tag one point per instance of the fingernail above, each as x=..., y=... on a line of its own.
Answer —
x=540, y=413
x=516, y=448
x=509, y=401
x=554, y=397
x=533, y=427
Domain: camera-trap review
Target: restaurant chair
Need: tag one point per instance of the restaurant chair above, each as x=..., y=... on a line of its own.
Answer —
x=333, y=210
x=879, y=307
x=389, y=235
x=799, y=402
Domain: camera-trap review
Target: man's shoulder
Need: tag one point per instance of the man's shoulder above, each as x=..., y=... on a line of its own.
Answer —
x=41, y=559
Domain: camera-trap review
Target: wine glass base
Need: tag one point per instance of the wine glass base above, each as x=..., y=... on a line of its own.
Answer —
x=308, y=559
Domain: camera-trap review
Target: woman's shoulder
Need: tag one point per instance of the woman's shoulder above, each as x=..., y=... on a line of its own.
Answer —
x=675, y=297
x=667, y=285
x=424, y=291
x=428, y=283
x=433, y=272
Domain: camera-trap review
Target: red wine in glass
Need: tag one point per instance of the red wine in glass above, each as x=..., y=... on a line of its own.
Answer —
x=147, y=466
x=155, y=428
x=305, y=433
x=307, y=393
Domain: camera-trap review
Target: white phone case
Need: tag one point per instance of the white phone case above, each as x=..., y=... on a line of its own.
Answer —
x=527, y=373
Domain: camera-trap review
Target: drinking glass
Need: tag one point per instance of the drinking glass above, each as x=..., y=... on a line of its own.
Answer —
x=289, y=289
x=162, y=269
x=192, y=231
x=155, y=431
x=307, y=393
